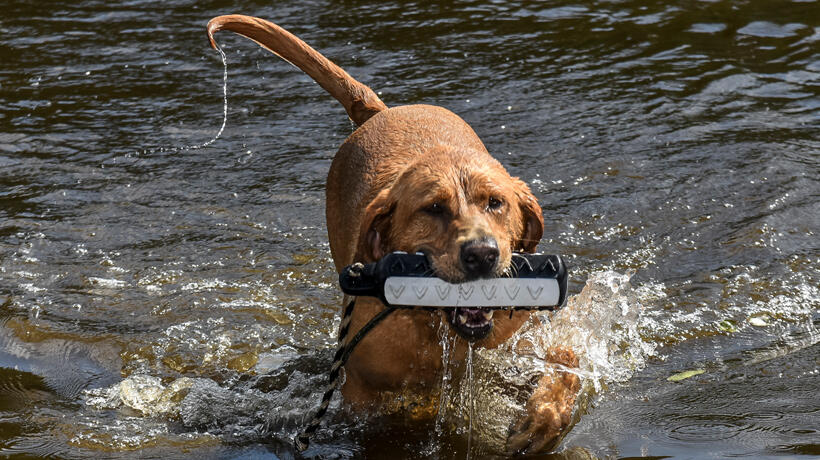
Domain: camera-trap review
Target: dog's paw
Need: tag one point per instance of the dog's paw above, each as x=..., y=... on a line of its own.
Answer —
x=549, y=409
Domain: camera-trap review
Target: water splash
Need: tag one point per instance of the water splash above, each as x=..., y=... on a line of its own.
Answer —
x=481, y=396
x=224, y=115
x=447, y=343
x=250, y=409
x=470, y=386
x=601, y=325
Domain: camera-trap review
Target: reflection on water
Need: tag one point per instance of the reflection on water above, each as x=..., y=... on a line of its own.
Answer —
x=165, y=301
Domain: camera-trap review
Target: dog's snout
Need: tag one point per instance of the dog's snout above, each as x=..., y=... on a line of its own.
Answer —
x=479, y=257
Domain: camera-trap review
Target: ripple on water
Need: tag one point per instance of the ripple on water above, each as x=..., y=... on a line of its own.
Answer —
x=707, y=27
x=19, y=389
x=766, y=29
x=704, y=431
x=66, y=363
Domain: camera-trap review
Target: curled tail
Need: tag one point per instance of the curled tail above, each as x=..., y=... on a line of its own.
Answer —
x=360, y=101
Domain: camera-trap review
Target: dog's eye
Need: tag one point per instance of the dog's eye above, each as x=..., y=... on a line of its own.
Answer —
x=435, y=209
x=494, y=203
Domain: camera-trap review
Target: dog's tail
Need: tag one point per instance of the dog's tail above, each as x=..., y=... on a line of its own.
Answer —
x=360, y=101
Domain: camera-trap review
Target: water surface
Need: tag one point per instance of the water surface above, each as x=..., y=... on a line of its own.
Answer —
x=167, y=302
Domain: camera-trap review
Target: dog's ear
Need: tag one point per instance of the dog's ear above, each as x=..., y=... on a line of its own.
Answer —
x=375, y=228
x=533, y=218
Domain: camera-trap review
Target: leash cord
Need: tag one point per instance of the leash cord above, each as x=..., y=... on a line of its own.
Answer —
x=343, y=352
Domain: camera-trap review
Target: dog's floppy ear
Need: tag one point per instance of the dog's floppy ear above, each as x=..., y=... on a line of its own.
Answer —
x=375, y=228
x=533, y=219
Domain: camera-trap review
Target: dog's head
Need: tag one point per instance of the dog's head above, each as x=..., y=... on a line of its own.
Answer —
x=465, y=212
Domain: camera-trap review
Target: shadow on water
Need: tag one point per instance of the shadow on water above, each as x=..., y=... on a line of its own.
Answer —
x=168, y=302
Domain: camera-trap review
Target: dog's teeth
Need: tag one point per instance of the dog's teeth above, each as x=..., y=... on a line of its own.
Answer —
x=488, y=315
x=462, y=319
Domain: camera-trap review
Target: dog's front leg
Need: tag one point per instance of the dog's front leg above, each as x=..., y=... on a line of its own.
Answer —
x=549, y=409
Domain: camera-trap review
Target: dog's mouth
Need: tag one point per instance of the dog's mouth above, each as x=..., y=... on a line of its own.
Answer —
x=471, y=323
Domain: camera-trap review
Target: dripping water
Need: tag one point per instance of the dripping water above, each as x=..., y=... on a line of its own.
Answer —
x=224, y=115
x=446, y=375
x=470, y=395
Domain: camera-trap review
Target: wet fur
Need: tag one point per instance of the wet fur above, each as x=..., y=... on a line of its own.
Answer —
x=380, y=189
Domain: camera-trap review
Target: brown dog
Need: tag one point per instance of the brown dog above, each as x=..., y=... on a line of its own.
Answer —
x=418, y=179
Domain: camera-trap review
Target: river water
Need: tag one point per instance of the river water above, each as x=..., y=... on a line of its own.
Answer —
x=161, y=301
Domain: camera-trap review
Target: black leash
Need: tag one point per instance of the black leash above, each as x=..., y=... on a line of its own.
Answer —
x=343, y=352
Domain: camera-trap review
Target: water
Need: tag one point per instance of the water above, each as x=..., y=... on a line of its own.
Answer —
x=470, y=382
x=167, y=302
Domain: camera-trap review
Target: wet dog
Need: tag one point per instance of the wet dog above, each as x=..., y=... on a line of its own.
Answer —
x=418, y=179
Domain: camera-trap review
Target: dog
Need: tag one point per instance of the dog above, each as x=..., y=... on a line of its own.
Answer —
x=417, y=178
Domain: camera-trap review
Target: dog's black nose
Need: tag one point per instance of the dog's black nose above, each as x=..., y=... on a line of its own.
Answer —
x=479, y=257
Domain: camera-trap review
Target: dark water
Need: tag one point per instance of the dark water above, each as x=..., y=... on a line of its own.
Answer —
x=678, y=141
